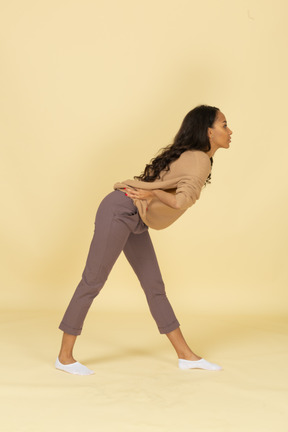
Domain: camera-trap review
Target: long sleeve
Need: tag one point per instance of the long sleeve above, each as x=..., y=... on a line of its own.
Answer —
x=185, y=179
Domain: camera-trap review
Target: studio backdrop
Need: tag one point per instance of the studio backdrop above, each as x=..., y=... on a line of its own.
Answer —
x=90, y=91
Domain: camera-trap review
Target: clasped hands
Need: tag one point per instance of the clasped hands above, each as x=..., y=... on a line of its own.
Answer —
x=140, y=194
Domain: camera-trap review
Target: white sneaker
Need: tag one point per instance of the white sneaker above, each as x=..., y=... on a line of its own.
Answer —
x=198, y=364
x=74, y=368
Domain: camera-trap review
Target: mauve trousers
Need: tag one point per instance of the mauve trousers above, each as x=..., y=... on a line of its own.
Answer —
x=118, y=227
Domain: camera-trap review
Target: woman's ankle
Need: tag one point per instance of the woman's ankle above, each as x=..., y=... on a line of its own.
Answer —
x=66, y=358
x=66, y=350
x=189, y=356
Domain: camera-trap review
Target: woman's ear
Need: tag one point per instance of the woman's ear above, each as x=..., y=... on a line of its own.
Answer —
x=209, y=132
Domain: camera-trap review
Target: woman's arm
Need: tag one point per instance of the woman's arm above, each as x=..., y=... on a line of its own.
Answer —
x=165, y=197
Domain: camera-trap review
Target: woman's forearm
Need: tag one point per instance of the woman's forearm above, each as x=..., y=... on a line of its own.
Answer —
x=166, y=197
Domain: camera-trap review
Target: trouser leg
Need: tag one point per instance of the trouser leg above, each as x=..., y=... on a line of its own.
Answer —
x=140, y=253
x=114, y=221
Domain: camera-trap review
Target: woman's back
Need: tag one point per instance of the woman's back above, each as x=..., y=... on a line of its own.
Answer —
x=185, y=178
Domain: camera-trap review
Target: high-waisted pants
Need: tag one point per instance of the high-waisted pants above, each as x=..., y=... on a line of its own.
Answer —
x=118, y=227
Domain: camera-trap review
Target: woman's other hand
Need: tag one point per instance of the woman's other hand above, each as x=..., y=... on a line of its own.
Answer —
x=140, y=194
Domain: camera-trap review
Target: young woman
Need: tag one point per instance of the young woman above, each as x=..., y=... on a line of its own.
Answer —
x=170, y=184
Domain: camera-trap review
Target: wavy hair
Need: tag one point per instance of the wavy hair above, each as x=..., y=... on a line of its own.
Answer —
x=192, y=135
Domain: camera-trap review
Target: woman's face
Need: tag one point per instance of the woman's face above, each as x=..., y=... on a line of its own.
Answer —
x=219, y=135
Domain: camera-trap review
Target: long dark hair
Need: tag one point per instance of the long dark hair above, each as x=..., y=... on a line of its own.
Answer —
x=192, y=135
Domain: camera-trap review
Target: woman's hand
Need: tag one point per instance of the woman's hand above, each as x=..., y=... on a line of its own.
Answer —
x=140, y=194
x=165, y=197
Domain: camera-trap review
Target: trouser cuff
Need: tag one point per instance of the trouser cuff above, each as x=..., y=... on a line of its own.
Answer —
x=168, y=329
x=70, y=330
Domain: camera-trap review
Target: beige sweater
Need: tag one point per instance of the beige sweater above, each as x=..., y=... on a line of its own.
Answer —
x=185, y=179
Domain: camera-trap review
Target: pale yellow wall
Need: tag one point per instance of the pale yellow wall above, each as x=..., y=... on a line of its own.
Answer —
x=90, y=90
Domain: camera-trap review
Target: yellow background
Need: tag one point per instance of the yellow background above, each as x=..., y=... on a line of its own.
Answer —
x=90, y=91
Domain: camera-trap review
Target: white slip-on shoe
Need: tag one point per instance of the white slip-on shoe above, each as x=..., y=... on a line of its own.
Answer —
x=73, y=368
x=198, y=364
